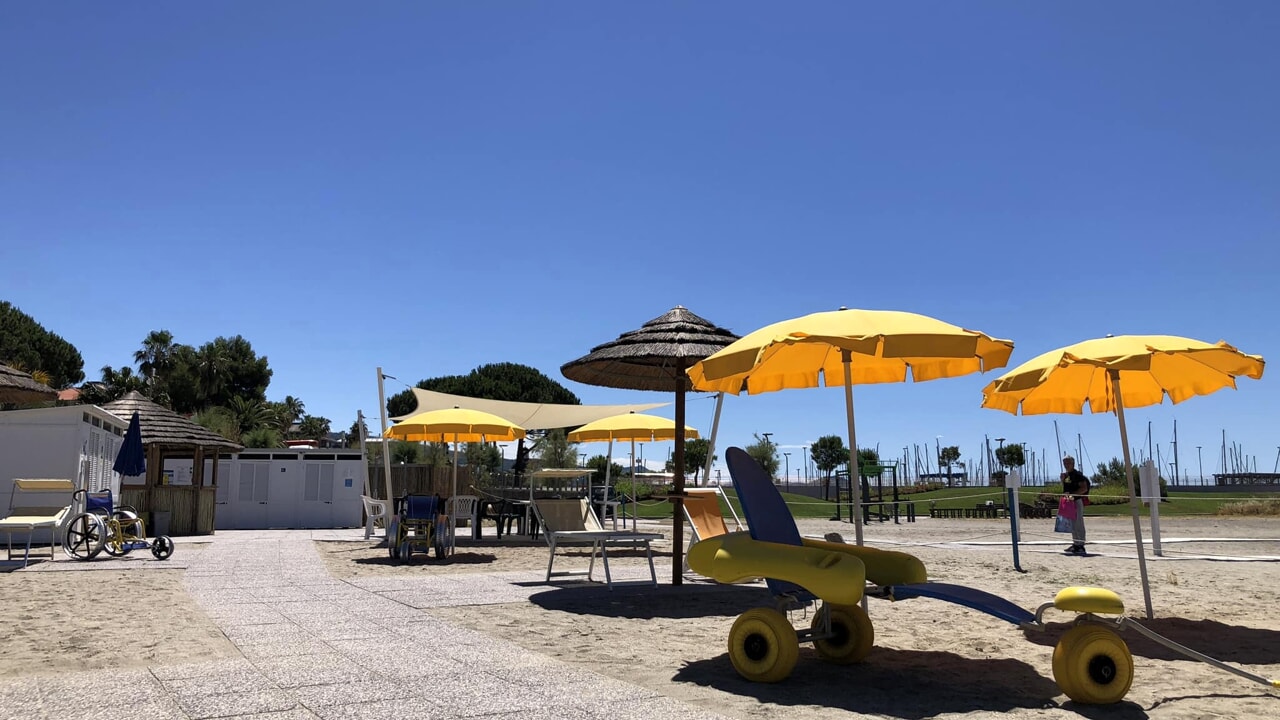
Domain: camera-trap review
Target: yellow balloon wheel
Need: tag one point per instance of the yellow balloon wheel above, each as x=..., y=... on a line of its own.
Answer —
x=1093, y=665
x=852, y=634
x=763, y=646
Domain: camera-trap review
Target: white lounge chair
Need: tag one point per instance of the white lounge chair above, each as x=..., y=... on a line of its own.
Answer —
x=32, y=518
x=573, y=522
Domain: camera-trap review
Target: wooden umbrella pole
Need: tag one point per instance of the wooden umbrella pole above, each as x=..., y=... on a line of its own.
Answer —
x=677, y=507
x=1134, y=505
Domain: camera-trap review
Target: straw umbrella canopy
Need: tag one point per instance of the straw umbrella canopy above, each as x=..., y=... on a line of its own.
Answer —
x=19, y=387
x=455, y=425
x=862, y=346
x=1114, y=373
x=633, y=427
x=656, y=357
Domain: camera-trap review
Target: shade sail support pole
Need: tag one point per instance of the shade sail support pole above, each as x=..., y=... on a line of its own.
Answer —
x=386, y=448
x=855, y=479
x=711, y=442
x=1134, y=504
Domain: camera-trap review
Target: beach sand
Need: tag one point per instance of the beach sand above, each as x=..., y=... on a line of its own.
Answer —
x=931, y=658
x=65, y=616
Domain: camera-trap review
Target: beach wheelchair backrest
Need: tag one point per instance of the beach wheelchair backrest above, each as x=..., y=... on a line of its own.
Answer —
x=421, y=507
x=99, y=502
x=768, y=519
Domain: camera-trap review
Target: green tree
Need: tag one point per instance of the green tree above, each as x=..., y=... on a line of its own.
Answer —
x=155, y=357
x=765, y=452
x=828, y=453
x=251, y=415
x=484, y=459
x=437, y=454
x=355, y=433
x=314, y=427
x=114, y=385
x=949, y=456
x=598, y=463
x=497, y=381
x=263, y=437
x=27, y=345
x=221, y=421
x=695, y=456
x=405, y=453
x=555, y=450
x=294, y=409
x=1009, y=456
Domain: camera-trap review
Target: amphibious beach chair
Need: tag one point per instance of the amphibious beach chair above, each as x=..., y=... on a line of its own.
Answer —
x=1091, y=663
x=101, y=525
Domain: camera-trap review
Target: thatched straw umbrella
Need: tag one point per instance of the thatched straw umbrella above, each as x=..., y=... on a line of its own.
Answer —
x=19, y=388
x=655, y=357
x=165, y=432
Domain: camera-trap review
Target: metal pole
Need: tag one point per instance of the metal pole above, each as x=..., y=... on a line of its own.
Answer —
x=1134, y=504
x=1200, y=462
x=711, y=443
x=786, y=473
x=363, y=452
x=386, y=449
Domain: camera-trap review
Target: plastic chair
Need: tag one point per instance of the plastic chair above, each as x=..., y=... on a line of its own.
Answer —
x=462, y=507
x=376, y=513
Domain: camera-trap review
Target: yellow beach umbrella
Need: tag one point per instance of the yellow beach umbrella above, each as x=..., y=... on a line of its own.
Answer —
x=1113, y=373
x=633, y=427
x=843, y=348
x=455, y=425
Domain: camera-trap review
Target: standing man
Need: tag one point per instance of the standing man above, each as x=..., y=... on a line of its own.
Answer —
x=1075, y=486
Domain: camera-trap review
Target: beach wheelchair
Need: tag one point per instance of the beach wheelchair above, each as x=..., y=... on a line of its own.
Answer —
x=417, y=524
x=103, y=526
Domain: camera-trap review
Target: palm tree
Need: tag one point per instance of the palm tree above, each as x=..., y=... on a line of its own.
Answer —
x=250, y=415
x=314, y=427
x=211, y=370
x=156, y=355
x=294, y=408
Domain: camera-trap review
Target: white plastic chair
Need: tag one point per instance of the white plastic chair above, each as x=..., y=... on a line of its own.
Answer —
x=376, y=512
x=462, y=507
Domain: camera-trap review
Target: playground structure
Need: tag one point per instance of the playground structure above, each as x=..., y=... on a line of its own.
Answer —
x=101, y=525
x=1091, y=662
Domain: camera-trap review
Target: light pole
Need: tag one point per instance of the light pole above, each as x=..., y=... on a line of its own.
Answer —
x=768, y=444
x=1200, y=462
x=786, y=458
x=998, y=454
x=582, y=459
x=641, y=456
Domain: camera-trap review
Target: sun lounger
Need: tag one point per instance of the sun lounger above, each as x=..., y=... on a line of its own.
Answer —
x=573, y=522
x=702, y=511
x=32, y=518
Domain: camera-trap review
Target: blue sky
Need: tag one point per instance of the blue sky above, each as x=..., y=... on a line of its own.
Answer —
x=434, y=186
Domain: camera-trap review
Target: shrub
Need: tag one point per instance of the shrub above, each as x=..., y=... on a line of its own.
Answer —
x=1251, y=507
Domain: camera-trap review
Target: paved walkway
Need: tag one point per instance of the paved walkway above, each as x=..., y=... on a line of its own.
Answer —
x=316, y=647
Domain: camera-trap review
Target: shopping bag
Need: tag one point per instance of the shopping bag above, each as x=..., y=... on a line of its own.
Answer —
x=1063, y=524
x=1067, y=508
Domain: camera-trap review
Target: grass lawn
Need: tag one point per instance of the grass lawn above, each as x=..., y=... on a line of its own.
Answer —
x=1105, y=501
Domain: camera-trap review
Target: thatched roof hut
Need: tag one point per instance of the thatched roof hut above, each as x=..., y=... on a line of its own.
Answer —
x=19, y=388
x=166, y=433
x=166, y=428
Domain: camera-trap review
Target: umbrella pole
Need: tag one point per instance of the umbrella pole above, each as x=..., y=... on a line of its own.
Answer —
x=607, y=467
x=455, y=467
x=1133, y=496
x=711, y=443
x=677, y=508
x=855, y=481
x=633, y=484
x=386, y=451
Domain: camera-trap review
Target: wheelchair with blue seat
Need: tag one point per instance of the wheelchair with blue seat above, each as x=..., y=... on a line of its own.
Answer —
x=104, y=526
x=416, y=525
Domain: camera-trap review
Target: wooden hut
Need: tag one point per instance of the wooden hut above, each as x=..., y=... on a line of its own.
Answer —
x=166, y=434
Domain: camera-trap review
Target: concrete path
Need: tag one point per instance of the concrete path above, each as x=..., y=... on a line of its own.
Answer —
x=316, y=647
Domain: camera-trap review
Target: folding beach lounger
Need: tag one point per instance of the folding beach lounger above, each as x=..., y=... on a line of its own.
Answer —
x=31, y=518
x=573, y=522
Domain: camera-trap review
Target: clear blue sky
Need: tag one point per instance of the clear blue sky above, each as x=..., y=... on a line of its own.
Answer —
x=434, y=186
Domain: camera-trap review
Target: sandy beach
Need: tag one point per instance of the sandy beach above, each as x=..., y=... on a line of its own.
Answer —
x=931, y=659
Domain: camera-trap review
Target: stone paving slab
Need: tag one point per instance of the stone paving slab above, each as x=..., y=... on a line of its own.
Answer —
x=317, y=647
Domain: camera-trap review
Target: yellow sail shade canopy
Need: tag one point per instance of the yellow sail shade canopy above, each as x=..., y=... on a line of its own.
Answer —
x=1114, y=373
x=846, y=348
